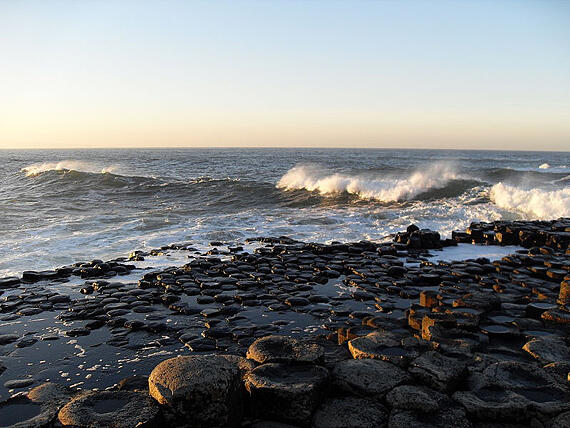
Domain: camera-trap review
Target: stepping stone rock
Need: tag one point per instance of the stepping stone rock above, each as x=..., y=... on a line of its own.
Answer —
x=284, y=349
x=203, y=390
x=512, y=390
x=350, y=412
x=18, y=383
x=561, y=421
x=493, y=405
x=113, y=409
x=454, y=417
x=557, y=316
x=438, y=371
x=37, y=409
x=548, y=349
x=385, y=346
x=8, y=338
x=415, y=398
x=270, y=424
x=367, y=377
x=137, y=383
x=286, y=393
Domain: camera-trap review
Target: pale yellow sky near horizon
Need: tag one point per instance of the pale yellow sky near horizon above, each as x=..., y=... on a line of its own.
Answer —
x=449, y=74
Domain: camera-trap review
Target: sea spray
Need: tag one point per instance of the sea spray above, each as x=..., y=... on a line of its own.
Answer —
x=382, y=188
x=69, y=165
x=532, y=203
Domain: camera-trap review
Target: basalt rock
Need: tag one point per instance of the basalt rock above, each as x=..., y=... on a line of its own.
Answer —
x=548, y=349
x=367, y=377
x=283, y=349
x=37, y=409
x=385, y=346
x=286, y=393
x=438, y=371
x=113, y=409
x=203, y=390
x=350, y=412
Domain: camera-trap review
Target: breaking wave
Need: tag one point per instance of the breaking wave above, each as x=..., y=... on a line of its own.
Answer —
x=533, y=203
x=381, y=188
x=65, y=165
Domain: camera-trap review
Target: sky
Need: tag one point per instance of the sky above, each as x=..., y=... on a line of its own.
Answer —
x=285, y=73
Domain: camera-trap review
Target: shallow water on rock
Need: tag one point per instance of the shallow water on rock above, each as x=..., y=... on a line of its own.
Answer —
x=14, y=413
x=108, y=406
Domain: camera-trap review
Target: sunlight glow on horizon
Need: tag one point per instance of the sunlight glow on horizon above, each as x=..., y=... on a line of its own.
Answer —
x=441, y=74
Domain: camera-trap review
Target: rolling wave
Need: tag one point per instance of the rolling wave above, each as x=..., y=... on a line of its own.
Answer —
x=544, y=175
x=377, y=187
x=66, y=165
x=533, y=203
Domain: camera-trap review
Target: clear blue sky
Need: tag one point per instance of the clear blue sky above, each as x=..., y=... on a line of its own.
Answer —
x=465, y=74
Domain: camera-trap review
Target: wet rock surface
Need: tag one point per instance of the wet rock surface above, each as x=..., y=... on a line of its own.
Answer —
x=286, y=393
x=38, y=408
x=205, y=391
x=114, y=409
x=285, y=332
x=350, y=412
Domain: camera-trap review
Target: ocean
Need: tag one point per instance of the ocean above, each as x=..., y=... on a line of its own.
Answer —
x=64, y=206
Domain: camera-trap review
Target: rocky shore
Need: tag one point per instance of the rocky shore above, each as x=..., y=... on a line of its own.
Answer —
x=275, y=332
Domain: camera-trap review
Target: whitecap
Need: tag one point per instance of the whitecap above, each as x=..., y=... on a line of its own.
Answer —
x=385, y=189
x=69, y=165
x=532, y=203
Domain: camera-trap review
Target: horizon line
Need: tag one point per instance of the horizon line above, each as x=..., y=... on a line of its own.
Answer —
x=276, y=148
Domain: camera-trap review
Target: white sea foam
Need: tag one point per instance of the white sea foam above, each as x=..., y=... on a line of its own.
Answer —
x=75, y=165
x=313, y=178
x=544, y=166
x=532, y=203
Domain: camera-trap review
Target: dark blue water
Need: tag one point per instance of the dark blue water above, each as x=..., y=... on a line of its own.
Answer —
x=64, y=206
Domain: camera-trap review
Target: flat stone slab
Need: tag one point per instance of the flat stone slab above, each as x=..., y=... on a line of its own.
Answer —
x=416, y=398
x=350, y=412
x=367, y=377
x=384, y=346
x=204, y=390
x=114, y=409
x=438, y=371
x=36, y=409
x=286, y=393
x=448, y=418
x=284, y=349
x=548, y=349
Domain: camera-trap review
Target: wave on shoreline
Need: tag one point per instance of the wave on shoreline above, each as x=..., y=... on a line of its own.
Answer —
x=533, y=203
x=381, y=188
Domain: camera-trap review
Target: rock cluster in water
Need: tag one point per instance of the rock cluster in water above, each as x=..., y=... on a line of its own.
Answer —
x=448, y=344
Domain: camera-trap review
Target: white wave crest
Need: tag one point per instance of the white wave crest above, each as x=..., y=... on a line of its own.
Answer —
x=75, y=165
x=312, y=178
x=533, y=203
x=544, y=166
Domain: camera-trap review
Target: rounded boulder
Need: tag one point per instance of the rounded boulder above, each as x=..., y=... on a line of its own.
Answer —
x=202, y=390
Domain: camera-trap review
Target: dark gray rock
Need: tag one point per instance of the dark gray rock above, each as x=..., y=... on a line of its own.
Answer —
x=548, y=349
x=416, y=398
x=8, y=338
x=37, y=409
x=385, y=346
x=113, y=409
x=203, y=390
x=454, y=417
x=286, y=393
x=284, y=349
x=438, y=371
x=350, y=412
x=367, y=377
